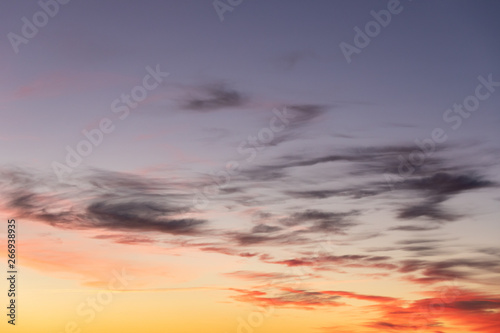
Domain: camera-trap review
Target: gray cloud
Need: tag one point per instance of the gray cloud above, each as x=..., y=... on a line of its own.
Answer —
x=214, y=97
x=263, y=228
x=100, y=200
x=320, y=221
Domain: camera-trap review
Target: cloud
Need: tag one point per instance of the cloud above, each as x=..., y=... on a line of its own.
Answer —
x=385, y=325
x=304, y=299
x=263, y=228
x=127, y=239
x=433, y=183
x=320, y=221
x=227, y=251
x=445, y=309
x=414, y=228
x=445, y=183
x=371, y=298
x=361, y=161
x=260, y=276
x=476, y=305
x=494, y=251
x=429, y=209
x=447, y=270
x=439, y=188
x=307, y=300
x=100, y=200
x=418, y=271
x=325, y=261
x=139, y=216
x=422, y=244
x=214, y=97
x=250, y=239
x=354, y=193
x=294, y=229
x=304, y=113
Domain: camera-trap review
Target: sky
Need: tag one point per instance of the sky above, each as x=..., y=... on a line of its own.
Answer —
x=251, y=166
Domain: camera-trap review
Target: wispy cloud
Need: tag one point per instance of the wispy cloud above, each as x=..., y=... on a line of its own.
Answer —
x=213, y=97
x=100, y=200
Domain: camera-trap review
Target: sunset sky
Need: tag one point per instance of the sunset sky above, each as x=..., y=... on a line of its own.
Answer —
x=251, y=165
